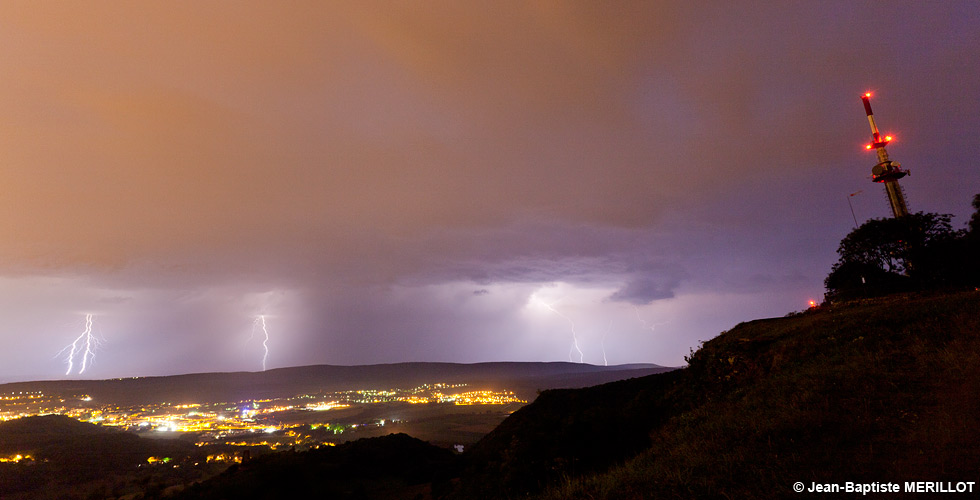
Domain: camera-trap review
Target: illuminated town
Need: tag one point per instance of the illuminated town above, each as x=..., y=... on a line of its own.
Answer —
x=299, y=422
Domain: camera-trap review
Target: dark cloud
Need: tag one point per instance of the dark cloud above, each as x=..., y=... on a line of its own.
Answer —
x=642, y=291
x=365, y=173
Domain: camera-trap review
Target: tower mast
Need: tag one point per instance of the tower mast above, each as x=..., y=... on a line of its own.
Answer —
x=886, y=171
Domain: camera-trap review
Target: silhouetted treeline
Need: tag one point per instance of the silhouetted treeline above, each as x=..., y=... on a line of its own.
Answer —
x=917, y=252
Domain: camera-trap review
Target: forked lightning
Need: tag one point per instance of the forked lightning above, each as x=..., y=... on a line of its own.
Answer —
x=574, y=347
x=84, y=345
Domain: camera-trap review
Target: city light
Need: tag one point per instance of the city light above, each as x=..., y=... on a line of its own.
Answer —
x=250, y=422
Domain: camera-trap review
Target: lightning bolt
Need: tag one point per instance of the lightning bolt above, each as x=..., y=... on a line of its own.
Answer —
x=602, y=343
x=260, y=322
x=574, y=347
x=646, y=325
x=84, y=345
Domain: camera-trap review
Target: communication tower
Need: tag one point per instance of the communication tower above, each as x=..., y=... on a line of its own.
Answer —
x=886, y=171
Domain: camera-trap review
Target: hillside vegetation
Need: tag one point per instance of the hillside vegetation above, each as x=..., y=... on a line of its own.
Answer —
x=884, y=389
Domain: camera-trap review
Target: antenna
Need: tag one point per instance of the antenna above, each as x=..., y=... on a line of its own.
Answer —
x=886, y=171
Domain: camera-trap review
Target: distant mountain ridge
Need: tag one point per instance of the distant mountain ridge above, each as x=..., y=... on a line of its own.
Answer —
x=526, y=377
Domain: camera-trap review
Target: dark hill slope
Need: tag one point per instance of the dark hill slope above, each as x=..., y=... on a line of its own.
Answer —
x=36, y=431
x=66, y=440
x=880, y=390
x=67, y=452
x=390, y=467
x=568, y=432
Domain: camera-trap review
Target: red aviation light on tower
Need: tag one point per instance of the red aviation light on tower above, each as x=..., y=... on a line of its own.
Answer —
x=886, y=171
x=888, y=139
x=877, y=141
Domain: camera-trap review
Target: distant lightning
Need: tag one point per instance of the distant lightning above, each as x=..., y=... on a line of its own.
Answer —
x=602, y=343
x=574, y=347
x=265, y=343
x=260, y=322
x=84, y=345
x=646, y=325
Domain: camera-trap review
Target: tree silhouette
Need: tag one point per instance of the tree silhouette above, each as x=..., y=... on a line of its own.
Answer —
x=893, y=244
x=890, y=255
x=974, y=225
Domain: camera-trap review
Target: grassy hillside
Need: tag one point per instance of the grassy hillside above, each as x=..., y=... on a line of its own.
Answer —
x=879, y=390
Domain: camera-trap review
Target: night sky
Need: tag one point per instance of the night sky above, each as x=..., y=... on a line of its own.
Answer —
x=451, y=181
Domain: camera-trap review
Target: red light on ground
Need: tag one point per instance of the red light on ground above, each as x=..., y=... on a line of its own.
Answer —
x=813, y=303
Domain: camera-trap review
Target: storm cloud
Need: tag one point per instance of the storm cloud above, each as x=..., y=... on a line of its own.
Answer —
x=396, y=182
